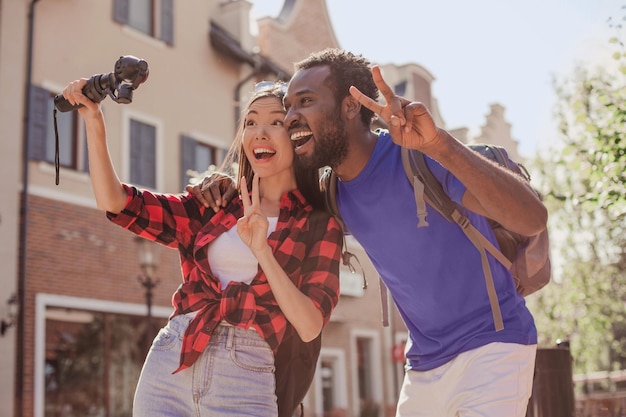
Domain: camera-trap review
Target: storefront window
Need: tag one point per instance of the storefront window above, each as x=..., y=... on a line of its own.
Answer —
x=93, y=361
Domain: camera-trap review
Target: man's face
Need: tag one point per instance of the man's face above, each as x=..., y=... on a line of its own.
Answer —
x=314, y=120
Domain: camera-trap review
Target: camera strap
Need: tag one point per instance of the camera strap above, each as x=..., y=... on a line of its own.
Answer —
x=57, y=158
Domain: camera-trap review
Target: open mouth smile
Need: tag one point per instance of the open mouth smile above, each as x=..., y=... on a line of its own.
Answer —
x=262, y=153
x=299, y=139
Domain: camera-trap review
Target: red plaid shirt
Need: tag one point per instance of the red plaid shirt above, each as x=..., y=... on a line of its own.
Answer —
x=306, y=244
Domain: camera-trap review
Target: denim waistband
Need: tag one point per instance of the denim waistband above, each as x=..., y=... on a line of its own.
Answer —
x=179, y=324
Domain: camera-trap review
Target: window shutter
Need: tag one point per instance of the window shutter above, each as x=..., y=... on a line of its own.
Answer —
x=142, y=154
x=149, y=145
x=85, y=166
x=187, y=158
x=135, y=152
x=38, y=122
x=167, y=21
x=120, y=11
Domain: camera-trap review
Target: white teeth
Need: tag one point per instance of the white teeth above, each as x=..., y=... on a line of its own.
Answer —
x=263, y=150
x=298, y=135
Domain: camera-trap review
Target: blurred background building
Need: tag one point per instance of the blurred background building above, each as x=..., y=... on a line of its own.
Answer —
x=80, y=298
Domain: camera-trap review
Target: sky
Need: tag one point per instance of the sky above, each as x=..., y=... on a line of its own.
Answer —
x=480, y=51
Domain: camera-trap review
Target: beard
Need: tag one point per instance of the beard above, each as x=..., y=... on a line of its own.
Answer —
x=331, y=143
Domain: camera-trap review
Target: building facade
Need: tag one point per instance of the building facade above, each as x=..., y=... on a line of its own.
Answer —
x=77, y=308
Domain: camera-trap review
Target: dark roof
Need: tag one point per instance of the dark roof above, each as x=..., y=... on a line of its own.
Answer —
x=226, y=44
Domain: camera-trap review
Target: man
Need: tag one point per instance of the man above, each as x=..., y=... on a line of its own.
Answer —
x=457, y=363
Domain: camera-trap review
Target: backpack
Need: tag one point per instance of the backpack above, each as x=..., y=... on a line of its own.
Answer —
x=295, y=363
x=528, y=258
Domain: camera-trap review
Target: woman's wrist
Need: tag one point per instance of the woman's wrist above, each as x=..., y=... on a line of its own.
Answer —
x=264, y=253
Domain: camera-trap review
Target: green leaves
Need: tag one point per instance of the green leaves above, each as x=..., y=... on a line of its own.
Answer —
x=585, y=187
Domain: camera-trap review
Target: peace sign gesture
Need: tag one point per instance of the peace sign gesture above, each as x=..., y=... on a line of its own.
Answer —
x=410, y=124
x=253, y=226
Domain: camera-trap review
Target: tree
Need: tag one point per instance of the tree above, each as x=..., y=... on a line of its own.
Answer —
x=584, y=183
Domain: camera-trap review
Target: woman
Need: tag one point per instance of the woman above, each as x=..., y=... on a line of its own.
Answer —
x=241, y=296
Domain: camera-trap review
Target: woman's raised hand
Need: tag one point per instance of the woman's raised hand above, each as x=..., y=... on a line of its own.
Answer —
x=73, y=93
x=253, y=226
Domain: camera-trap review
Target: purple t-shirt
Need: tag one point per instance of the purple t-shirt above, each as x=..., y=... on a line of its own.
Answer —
x=433, y=273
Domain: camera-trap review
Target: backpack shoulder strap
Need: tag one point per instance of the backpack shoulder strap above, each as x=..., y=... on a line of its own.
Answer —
x=328, y=185
x=425, y=184
x=431, y=190
x=417, y=170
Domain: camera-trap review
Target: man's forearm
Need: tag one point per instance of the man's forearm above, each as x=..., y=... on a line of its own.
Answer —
x=492, y=190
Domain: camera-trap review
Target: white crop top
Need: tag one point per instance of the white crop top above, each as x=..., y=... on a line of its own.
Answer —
x=231, y=259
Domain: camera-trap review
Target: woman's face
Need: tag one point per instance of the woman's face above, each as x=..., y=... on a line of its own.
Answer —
x=265, y=140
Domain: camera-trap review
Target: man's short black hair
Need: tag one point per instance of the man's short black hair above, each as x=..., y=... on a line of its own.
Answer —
x=346, y=69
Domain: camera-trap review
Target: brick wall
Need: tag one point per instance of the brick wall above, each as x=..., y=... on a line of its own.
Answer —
x=75, y=251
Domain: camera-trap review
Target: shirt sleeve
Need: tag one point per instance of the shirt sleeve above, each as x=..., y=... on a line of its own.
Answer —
x=169, y=219
x=451, y=184
x=321, y=266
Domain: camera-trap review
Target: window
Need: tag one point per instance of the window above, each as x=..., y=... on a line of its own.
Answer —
x=367, y=371
x=330, y=382
x=42, y=141
x=93, y=361
x=400, y=88
x=142, y=154
x=141, y=16
x=153, y=17
x=328, y=385
x=197, y=157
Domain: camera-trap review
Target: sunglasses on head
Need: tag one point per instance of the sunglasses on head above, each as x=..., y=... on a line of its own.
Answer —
x=270, y=85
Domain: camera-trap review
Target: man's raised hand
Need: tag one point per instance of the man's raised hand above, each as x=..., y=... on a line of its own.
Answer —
x=214, y=191
x=410, y=123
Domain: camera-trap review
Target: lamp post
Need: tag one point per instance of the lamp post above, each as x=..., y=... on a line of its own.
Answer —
x=147, y=279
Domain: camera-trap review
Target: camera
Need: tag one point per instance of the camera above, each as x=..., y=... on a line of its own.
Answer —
x=129, y=72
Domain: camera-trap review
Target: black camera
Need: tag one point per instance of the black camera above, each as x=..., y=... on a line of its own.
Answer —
x=129, y=72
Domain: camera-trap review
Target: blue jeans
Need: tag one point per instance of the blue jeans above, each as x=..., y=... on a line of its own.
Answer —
x=234, y=376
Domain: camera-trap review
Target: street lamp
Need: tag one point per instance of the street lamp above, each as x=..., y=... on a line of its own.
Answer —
x=11, y=314
x=148, y=265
